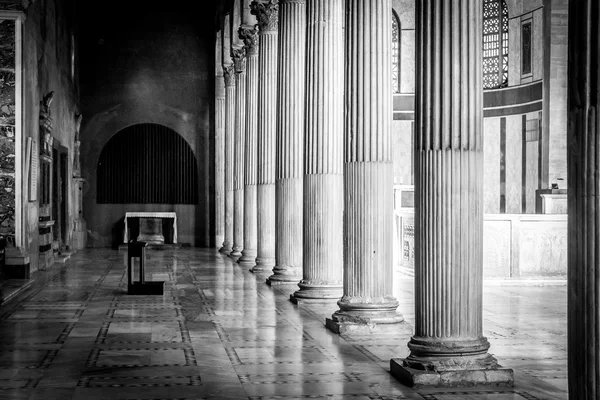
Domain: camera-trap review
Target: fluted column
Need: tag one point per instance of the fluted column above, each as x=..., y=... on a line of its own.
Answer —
x=219, y=145
x=584, y=200
x=323, y=198
x=249, y=34
x=229, y=77
x=267, y=15
x=290, y=143
x=448, y=347
x=368, y=303
x=238, y=54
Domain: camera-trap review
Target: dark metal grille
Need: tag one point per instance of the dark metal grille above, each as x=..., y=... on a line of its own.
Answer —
x=495, y=44
x=147, y=164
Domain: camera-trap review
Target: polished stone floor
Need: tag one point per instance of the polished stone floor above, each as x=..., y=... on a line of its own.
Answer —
x=219, y=332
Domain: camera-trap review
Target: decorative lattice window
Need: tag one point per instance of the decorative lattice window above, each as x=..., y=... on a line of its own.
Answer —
x=495, y=44
x=395, y=53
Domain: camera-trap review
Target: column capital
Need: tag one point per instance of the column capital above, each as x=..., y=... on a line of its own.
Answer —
x=229, y=74
x=249, y=34
x=267, y=14
x=238, y=54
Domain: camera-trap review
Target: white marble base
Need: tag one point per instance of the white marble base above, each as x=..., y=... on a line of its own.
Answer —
x=451, y=378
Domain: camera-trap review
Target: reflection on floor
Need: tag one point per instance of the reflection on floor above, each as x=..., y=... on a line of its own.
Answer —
x=219, y=332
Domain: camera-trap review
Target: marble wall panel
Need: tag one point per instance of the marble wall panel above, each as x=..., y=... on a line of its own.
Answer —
x=543, y=250
x=491, y=165
x=531, y=168
x=402, y=151
x=557, y=101
x=514, y=164
x=496, y=249
x=514, y=51
x=406, y=12
x=537, y=42
x=407, y=61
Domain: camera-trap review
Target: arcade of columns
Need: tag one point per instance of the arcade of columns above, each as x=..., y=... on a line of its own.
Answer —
x=304, y=174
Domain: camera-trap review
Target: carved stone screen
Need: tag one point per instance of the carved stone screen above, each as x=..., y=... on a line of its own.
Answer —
x=495, y=44
x=147, y=164
x=7, y=128
x=395, y=53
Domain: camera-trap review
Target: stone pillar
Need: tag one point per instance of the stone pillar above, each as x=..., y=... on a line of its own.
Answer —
x=368, y=303
x=323, y=198
x=238, y=54
x=219, y=144
x=448, y=347
x=290, y=143
x=266, y=12
x=249, y=34
x=584, y=200
x=229, y=77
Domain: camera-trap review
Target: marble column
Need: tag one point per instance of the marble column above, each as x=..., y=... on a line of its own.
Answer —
x=368, y=303
x=266, y=12
x=249, y=34
x=448, y=347
x=323, y=197
x=229, y=78
x=290, y=143
x=584, y=200
x=219, y=144
x=238, y=54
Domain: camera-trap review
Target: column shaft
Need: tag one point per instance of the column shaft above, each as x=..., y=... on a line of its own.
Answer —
x=229, y=75
x=323, y=198
x=290, y=142
x=219, y=159
x=250, y=37
x=448, y=348
x=584, y=200
x=238, y=54
x=368, y=302
x=266, y=13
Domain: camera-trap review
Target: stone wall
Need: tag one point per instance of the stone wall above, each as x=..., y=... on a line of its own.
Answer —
x=7, y=130
x=158, y=69
x=48, y=48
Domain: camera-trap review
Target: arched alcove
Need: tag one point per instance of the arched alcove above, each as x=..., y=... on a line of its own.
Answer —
x=147, y=164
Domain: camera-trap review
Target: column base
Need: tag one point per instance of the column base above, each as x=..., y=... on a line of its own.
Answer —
x=248, y=259
x=317, y=293
x=365, y=322
x=235, y=254
x=263, y=265
x=226, y=248
x=279, y=278
x=461, y=373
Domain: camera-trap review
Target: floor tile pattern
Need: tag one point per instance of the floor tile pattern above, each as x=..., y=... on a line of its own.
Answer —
x=219, y=332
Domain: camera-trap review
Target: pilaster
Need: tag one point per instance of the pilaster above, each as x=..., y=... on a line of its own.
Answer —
x=368, y=303
x=323, y=201
x=249, y=34
x=448, y=347
x=584, y=200
x=290, y=143
x=266, y=12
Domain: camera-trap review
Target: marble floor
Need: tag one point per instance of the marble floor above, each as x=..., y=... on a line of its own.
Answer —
x=219, y=332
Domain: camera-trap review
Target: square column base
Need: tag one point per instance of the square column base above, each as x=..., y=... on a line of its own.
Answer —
x=354, y=328
x=300, y=301
x=450, y=378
